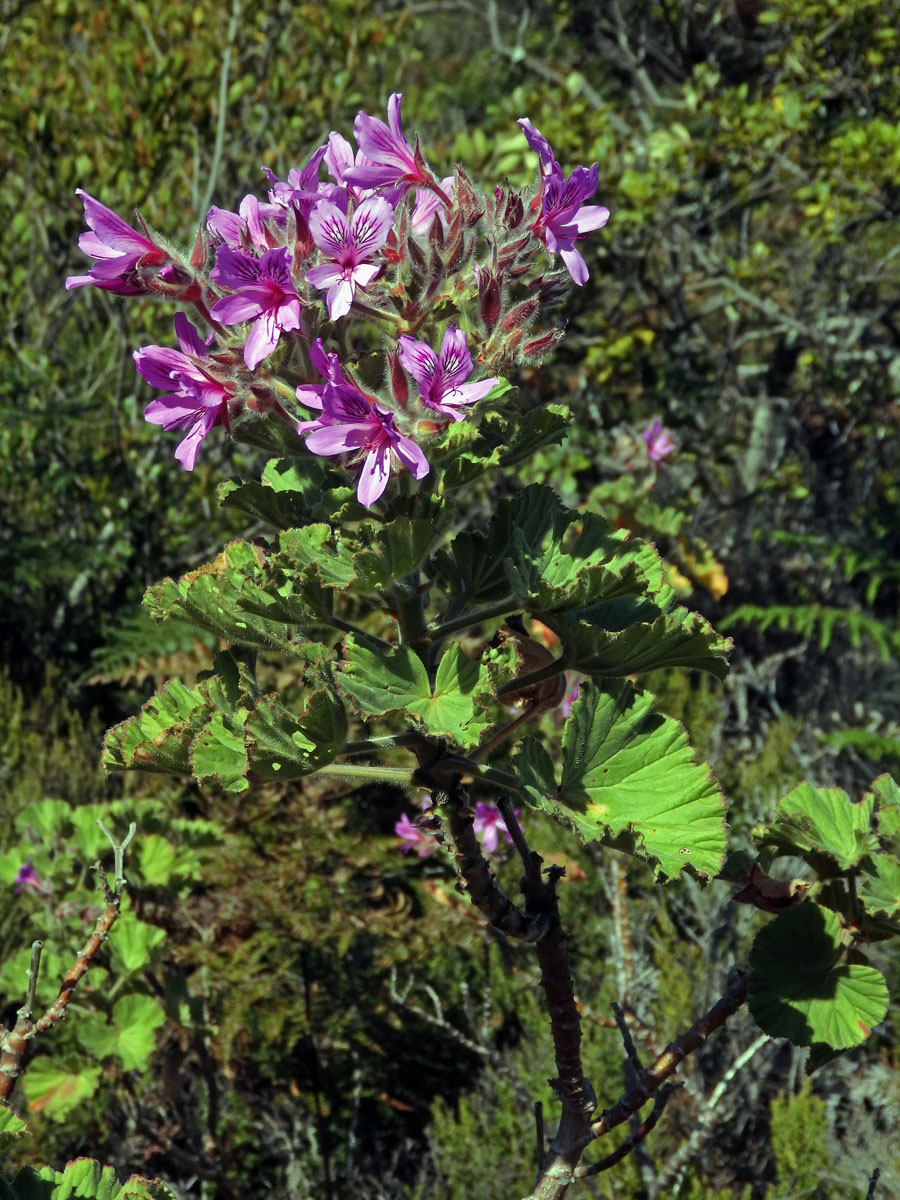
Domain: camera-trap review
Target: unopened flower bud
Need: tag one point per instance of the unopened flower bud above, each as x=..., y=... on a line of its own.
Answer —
x=456, y=254
x=538, y=347
x=416, y=257
x=519, y=316
x=510, y=250
x=550, y=288
x=198, y=253
x=515, y=211
x=467, y=198
x=488, y=296
x=399, y=382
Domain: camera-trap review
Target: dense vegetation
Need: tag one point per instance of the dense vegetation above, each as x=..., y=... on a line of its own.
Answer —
x=294, y=1003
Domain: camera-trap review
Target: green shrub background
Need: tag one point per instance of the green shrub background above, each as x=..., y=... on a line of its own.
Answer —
x=329, y=1017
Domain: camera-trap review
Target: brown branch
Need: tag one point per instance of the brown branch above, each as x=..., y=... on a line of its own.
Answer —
x=14, y=1043
x=673, y=1055
x=635, y=1138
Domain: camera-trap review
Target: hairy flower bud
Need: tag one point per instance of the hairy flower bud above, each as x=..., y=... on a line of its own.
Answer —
x=488, y=296
x=550, y=288
x=399, y=382
x=538, y=347
x=416, y=257
x=519, y=316
x=198, y=253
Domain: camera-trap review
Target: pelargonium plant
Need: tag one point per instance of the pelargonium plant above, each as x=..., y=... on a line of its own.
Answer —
x=452, y=629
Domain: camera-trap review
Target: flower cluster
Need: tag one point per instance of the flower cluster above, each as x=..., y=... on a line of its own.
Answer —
x=450, y=277
x=421, y=834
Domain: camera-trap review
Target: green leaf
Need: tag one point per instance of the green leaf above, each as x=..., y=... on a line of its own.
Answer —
x=56, y=1086
x=537, y=777
x=596, y=564
x=287, y=746
x=132, y=943
x=803, y=988
x=82, y=1179
x=453, y=711
x=629, y=777
x=474, y=565
x=887, y=801
x=541, y=427
x=316, y=552
x=676, y=639
x=157, y=859
x=213, y=598
x=878, y=886
x=381, y=680
x=159, y=737
x=288, y=494
x=218, y=753
x=134, y=1019
x=11, y=1124
x=401, y=547
x=822, y=826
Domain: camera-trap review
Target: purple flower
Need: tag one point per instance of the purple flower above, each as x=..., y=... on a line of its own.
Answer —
x=301, y=190
x=440, y=379
x=427, y=204
x=245, y=228
x=564, y=216
x=659, y=441
x=417, y=839
x=264, y=294
x=573, y=687
x=195, y=401
x=392, y=162
x=352, y=422
x=348, y=243
x=118, y=248
x=488, y=824
x=28, y=878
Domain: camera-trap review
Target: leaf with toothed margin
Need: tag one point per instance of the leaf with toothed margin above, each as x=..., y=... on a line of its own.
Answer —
x=284, y=745
x=630, y=778
x=380, y=680
x=804, y=987
x=400, y=548
x=159, y=737
x=678, y=638
x=211, y=599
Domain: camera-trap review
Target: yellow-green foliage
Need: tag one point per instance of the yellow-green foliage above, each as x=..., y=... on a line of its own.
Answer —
x=800, y=1136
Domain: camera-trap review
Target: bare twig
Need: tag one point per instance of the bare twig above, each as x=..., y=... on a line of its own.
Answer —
x=670, y=1059
x=635, y=1138
x=14, y=1042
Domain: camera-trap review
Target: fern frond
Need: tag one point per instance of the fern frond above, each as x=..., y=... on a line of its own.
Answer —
x=818, y=621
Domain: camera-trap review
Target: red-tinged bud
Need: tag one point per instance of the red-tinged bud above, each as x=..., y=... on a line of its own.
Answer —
x=467, y=198
x=511, y=250
x=488, y=297
x=550, y=288
x=518, y=317
x=519, y=271
x=399, y=382
x=198, y=254
x=457, y=254
x=511, y=342
x=515, y=211
x=436, y=234
x=540, y=346
x=417, y=258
